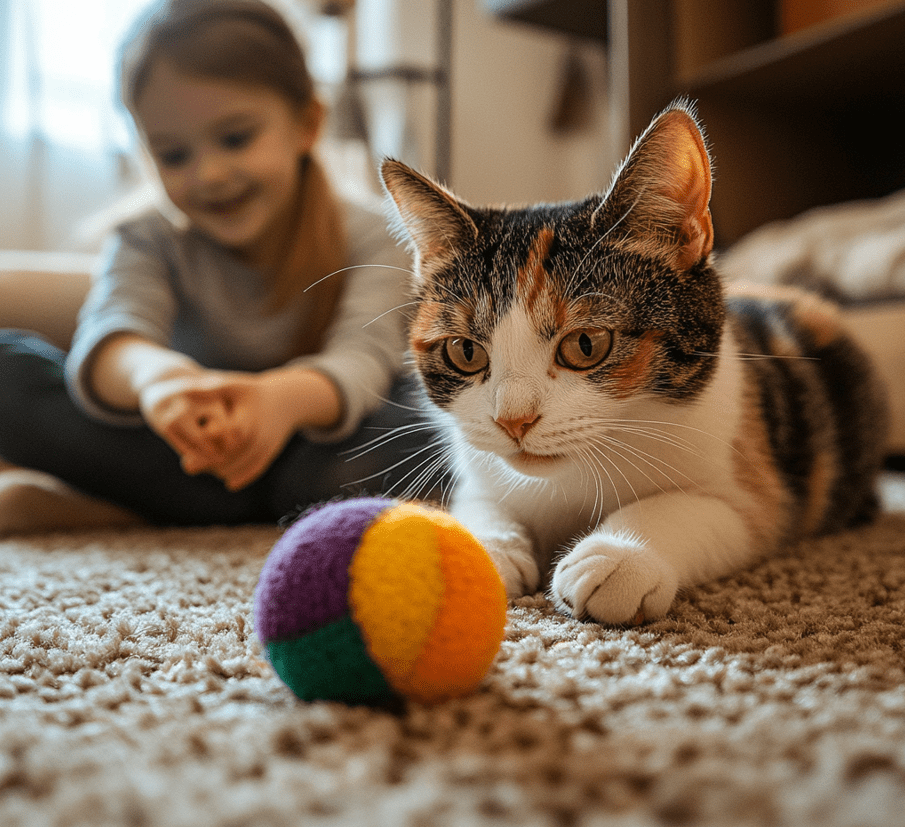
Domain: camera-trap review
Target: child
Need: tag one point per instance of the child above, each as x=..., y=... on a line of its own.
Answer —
x=221, y=365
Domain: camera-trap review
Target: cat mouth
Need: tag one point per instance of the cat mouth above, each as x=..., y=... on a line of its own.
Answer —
x=523, y=458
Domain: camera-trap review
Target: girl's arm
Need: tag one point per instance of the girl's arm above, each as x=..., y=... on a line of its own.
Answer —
x=130, y=373
x=311, y=395
x=229, y=424
x=127, y=364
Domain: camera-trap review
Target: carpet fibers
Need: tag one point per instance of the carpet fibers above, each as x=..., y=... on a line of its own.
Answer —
x=133, y=692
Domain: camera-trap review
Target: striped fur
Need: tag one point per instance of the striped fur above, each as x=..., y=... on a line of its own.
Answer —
x=620, y=424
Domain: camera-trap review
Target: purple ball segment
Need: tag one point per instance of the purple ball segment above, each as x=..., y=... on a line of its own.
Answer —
x=304, y=584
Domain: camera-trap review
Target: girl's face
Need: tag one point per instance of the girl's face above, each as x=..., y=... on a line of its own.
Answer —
x=227, y=154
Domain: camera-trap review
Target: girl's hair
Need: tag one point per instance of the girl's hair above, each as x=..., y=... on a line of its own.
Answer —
x=249, y=42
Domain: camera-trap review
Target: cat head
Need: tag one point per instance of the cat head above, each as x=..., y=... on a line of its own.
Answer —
x=535, y=326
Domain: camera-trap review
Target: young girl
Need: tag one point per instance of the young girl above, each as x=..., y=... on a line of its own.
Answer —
x=225, y=360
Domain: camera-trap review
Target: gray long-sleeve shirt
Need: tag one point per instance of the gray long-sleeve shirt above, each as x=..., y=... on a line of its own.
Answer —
x=183, y=291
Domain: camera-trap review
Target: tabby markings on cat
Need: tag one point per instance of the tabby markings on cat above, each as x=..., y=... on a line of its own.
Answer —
x=615, y=429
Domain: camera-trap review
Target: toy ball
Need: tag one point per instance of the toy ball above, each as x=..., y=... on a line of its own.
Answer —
x=370, y=598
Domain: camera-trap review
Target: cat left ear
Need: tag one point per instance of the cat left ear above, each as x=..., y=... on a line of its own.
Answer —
x=663, y=188
x=430, y=215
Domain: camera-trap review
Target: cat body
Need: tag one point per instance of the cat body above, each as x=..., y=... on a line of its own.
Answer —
x=613, y=430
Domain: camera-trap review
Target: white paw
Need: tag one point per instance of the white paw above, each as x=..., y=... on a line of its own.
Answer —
x=514, y=560
x=613, y=579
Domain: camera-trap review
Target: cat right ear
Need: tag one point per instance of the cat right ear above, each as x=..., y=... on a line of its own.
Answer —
x=429, y=215
x=661, y=194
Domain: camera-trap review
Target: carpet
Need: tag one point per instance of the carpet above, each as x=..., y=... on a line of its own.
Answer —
x=133, y=692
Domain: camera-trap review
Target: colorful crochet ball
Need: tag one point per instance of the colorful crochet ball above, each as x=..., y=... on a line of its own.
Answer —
x=366, y=599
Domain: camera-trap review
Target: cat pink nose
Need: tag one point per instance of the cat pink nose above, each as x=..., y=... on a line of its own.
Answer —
x=517, y=426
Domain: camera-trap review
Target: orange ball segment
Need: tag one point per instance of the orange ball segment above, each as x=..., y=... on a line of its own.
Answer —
x=429, y=602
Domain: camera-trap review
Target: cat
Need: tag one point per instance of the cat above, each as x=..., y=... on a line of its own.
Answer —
x=617, y=430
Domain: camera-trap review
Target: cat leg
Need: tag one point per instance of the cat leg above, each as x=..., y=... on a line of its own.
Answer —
x=629, y=569
x=506, y=541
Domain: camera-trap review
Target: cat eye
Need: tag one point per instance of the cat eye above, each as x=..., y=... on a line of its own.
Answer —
x=584, y=348
x=465, y=355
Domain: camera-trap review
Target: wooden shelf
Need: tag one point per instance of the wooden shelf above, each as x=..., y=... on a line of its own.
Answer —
x=837, y=64
x=794, y=122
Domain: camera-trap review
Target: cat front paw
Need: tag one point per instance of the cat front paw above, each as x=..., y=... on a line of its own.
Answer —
x=613, y=579
x=514, y=560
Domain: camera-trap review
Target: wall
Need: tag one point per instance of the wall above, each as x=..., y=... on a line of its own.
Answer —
x=506, y=78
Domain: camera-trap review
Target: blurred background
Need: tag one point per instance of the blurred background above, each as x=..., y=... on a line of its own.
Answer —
x=505, y=100
x=516, y=101
x=449, y=86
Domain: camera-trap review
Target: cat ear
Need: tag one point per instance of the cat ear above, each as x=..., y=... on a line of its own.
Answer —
x=663, y=189
x=429, y=215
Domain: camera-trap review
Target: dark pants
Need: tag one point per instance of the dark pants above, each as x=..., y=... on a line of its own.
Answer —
x=41, y=428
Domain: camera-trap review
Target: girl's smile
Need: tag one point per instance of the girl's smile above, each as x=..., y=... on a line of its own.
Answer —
x=225, y=206
x=228, y=155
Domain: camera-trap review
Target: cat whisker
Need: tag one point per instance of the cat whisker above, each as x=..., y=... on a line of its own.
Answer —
x=517, y=482
x=642, y=428
x=403, y=407
x=682, y=445
x=619, y=422
x=384, y=439
x=585, y=468
x=650, y=433
x=600, y=501
x=595, y=294
x=750, y=357
x=358, y=267
x=599, y=494
x=577, y=270
x=612, y=446
x=665, y=438
x=658, y=464
x=436, y=473
x=387, y=312
x=464, y=301
x=425, y=472
x=608, y=445
x=429, y=447
x=454, y=482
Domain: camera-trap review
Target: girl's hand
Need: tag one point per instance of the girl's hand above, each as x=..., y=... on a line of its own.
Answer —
x=192, y=413
x=233, y=425
x=226, y=423
x=256, y=423
x=266, y=409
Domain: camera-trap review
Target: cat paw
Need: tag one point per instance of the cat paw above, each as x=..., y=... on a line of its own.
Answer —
x=613, y=580
x=514, y=560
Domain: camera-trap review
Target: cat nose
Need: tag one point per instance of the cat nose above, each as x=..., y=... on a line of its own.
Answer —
x=517, y=426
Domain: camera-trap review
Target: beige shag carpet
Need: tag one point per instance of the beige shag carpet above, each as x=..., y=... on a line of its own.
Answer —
x=132, y=692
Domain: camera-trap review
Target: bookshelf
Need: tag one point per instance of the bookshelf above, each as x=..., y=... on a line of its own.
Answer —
x=794, y=120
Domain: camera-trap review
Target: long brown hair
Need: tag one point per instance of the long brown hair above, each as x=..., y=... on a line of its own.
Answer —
x=249, y=42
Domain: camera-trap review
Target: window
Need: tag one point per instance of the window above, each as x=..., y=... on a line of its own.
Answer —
x=66, y=143
x=58, y=76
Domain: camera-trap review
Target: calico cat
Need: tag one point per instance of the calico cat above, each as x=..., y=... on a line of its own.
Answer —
x=620, y=423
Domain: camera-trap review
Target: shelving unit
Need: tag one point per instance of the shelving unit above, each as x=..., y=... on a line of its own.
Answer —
x=794, y=121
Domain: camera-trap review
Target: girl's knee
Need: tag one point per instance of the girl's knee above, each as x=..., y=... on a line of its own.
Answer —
x=27, y=360
x=31, y=377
